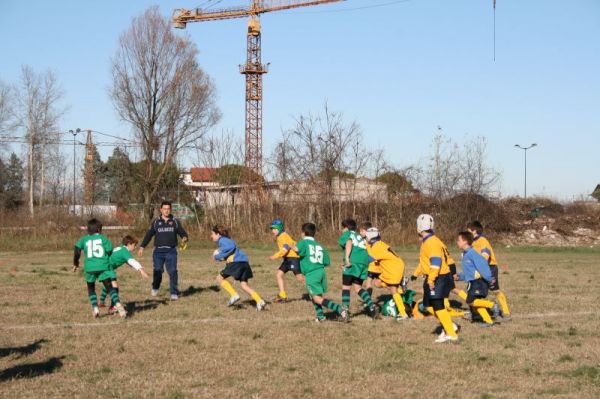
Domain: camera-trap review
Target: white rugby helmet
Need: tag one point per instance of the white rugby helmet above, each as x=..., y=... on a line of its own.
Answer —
x=373, y=233
x=425, y=222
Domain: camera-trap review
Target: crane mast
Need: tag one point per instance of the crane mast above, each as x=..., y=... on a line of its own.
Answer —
x=254, y=69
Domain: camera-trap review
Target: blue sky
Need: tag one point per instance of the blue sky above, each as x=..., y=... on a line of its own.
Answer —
x=399, y=70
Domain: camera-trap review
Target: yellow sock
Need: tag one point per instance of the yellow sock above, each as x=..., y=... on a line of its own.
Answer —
x=228, y=287
x=400, y=304
x=256, y=297
x=484, y=315
x=451, y=311
x=446, y=322
x=503, y=302
x=416, y=312
x=283, y=295
x=462, y=295
x=430, y=310
x=483, y=303
x=447, y=303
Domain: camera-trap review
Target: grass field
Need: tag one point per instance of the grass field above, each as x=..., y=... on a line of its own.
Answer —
x=50, y=346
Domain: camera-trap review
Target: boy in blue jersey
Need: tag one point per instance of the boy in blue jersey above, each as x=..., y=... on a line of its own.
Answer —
x=237, y=266
x=476, y=272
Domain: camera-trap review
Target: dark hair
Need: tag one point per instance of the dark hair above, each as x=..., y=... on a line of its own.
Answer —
x=309, y=229
x=467, y=236
x=94, y=226
x=366, y=225
x=221, y=230
x=349, y=224
x=166, y=203
x=475, y=226
x=129, y=240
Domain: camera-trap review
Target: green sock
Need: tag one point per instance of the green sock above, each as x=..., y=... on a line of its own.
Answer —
x=332, y=305
x=346, y=299
x=319, y=310
x=114, y=296
x=103, y=295
x=93, y=299
x=364, y=295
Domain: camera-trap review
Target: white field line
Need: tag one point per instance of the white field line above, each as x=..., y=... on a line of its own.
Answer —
x=218, y=320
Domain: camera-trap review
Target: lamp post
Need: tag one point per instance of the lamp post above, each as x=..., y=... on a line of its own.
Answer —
x=74, y=133
x=525, y=149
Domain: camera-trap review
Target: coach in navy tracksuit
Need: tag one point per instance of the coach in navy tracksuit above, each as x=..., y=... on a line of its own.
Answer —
x=165, y=230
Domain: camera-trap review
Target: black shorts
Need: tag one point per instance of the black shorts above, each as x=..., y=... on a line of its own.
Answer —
x=494, y=286
x=290, y=265
x=350, y=280
x=442, y=289
x=240, y=271
x=476, y=289
x=373, y=275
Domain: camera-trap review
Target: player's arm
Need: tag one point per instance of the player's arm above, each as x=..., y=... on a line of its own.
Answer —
x=284, y=249
x=181, y=231
x=347, y=253
x=226, y=248
x=76, y=257
x=435, y=264
x=149, y=234
x=137, y=266
x=483, y=269
x=418, y=271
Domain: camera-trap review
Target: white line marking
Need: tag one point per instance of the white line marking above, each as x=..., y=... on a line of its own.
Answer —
x=217, y=320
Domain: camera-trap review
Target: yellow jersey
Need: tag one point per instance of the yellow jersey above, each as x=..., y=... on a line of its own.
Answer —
x=374, y=266
x=483, y=246
x=391, y=265
x=433, y=259
x=282, y=239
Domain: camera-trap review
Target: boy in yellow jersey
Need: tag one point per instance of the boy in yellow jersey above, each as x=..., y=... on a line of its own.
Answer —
x=483, y=246
x=433, y=263
x=391, y=266
x=290, y=260
x=374, y=267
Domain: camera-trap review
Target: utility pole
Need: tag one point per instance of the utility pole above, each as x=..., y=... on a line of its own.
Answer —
x=74, y=133
x=525, y=149
x=89, y=169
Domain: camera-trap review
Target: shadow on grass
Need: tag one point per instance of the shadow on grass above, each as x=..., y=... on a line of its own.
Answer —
x=191, y=290
x=142, y=306
x=32, y=370
x=22, y=351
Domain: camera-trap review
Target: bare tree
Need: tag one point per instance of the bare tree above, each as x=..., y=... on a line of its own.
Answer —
x=5, y=106
x=37, y=112
x=159, y=88
x=477, y=176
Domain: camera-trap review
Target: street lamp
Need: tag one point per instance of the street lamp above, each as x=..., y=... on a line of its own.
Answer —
x=525, y=150
x=74, y=133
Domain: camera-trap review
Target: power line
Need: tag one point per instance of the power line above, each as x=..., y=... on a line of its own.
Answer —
x=390, y=3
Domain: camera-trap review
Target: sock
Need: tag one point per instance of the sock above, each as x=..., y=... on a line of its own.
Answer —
x=447, y=303
x=114, y=296
x=399, y=304
x=462, y=295
x=332, y=305
x=226, y=285
x=370, y=291
x=346, y=299
x=483, y=303
x=446, y=322
x=319, y=310
x=364, y=295
x=484, y=315
x=93, y=299
x=104, y=294
x=503, y=302
x=283, y=295
x=256, y=297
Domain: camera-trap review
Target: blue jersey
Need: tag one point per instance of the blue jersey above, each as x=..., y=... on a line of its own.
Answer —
x=474, y=266
x=229, y=252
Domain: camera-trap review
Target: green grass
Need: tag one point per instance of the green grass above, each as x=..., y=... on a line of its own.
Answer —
x=197, y=347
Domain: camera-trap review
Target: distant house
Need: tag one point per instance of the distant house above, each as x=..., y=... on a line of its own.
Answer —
x=596, y=193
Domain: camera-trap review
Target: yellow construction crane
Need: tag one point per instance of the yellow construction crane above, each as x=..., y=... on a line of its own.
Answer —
x=254, y=68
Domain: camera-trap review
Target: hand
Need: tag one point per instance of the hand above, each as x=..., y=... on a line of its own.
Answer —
x=456, y=277
x=432, y=287
x=140, y=252
x=75, y=268
x=413, y=278
x=272, y=258
x=185, y=239
x=143, y=273
x=216, y=252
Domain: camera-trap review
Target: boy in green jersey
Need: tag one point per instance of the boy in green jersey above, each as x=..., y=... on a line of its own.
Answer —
x=355, y=266
x=96, y=250
x=313, y=260
x=121, y=255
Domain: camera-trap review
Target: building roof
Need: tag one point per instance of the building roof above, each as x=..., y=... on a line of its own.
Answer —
x=202, y=175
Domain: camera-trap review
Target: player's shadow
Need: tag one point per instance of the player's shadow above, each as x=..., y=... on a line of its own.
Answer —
x=303, y=298
x=142, y=306
x=191, y=290
x=22, y=351
x=32, y=370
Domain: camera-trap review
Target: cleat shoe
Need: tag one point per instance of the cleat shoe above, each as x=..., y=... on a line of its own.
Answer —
x=174, y=297
x=506, y=317
x=468, y=316
x=96, y=311
x=320, y=320
x=279, y=299
x=456, y=327
x=233, y=300
x=101, y=305
x=401, y=318
x=443, y=338
x=485, y=325
x=121, y=310
x=153, y=292
x=261, y=306
x=374, y=312
x=495, y=311
x=345, y=315
x=112, y=310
